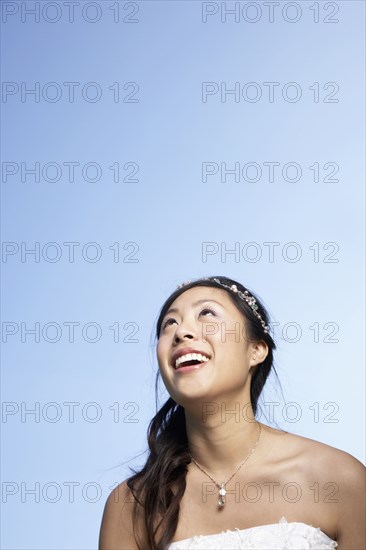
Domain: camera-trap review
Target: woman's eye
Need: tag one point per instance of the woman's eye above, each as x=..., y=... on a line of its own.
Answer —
x=168, y=322
x=171, y=320
x=207, y=309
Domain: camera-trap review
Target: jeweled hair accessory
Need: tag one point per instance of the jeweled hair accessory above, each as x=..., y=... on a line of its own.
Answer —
x=246, y=296
x=183, y=284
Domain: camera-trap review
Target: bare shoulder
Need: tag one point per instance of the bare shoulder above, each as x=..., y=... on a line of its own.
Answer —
x=341, y=485
x=315, y=456
x=326, y=459
x=346, y=476
x=116, y=531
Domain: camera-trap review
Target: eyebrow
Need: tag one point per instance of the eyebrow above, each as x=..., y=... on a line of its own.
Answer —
x=175, y=310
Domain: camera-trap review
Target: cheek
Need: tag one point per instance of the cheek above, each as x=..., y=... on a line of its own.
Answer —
x=232, y=353
x=161, y=353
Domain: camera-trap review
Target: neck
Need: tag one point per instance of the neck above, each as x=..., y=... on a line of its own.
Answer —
x=221, y=440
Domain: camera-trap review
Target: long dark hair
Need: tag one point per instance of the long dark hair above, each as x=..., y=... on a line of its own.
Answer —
x=160, y=485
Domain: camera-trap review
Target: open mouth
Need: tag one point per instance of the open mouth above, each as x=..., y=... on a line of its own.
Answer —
x=191, y=359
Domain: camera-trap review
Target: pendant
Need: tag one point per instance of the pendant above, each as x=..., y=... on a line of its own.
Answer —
x=222, y=494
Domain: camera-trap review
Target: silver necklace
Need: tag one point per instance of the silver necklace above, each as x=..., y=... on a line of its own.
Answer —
x=221, y=486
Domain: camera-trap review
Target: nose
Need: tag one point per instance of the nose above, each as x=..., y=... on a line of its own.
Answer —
x=186, y=336
x=184, y=331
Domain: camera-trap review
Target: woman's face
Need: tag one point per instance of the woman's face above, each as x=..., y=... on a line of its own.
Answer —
x=205, y=321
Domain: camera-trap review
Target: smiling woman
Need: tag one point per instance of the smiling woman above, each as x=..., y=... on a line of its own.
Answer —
x=211, y=481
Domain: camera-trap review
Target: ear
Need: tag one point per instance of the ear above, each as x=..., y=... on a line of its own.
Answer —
x=259, y=351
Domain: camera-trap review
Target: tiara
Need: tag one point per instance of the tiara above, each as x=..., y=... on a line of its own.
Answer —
x=246, y=296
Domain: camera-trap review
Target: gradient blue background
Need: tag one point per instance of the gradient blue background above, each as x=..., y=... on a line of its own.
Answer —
x=169, y=213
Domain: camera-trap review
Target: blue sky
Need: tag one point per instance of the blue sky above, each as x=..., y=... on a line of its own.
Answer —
x=165, y=141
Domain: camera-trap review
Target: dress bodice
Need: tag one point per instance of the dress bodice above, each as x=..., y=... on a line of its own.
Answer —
x=292, y=535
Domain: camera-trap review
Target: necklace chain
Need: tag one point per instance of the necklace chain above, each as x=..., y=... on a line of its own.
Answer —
x=221, y=486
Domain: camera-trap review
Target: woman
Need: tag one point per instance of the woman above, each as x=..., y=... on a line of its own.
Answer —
x=215, y=476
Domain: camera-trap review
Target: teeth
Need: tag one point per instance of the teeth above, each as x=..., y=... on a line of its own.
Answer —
x=191, y=357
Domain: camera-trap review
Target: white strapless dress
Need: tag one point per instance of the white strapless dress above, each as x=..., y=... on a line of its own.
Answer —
x=292, y=535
